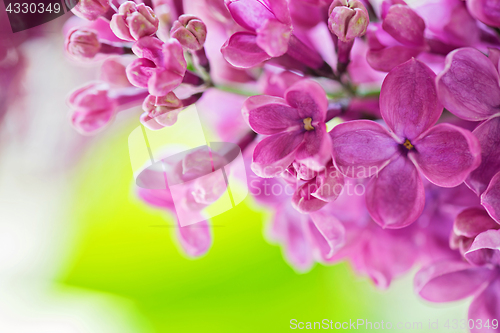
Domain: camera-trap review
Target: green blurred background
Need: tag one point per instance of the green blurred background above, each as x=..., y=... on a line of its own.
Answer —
x=243, y=284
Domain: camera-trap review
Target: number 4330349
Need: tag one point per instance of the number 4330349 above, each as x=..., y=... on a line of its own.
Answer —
x=33, y=8
x=471, y=324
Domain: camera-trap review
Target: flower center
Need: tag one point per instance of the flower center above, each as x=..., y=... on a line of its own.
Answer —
x=307, y=124
x=408, y=144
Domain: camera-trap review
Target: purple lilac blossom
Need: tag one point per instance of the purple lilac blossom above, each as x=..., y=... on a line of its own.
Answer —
x=392, y=159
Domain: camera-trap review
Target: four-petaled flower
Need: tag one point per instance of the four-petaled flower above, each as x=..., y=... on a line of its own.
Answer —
x=295, y=127
x=444, y=154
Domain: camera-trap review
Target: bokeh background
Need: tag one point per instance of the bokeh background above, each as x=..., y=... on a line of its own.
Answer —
x=80, y=253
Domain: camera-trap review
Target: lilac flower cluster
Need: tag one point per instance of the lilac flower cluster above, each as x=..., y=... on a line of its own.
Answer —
x=400, y=101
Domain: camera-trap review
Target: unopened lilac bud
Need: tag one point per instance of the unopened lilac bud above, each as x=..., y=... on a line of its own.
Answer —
x=95, y=105
x=348, y=19
x=190, y=31
x=82, y=44
x=160, y=111
x=90, y=9
x=93, y=108
x=134, y=21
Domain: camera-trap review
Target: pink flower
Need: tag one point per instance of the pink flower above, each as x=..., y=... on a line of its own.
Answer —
x=190, y=31
x=469, y=88
x=448, y=24
x=134, y=21
x=95, y=105
x=444, y=154
x=399, y=38
x=486, y=11
x=82, y=43
x=448, y=281
x=90, y=9
x=468, y=225
x=268, y=32
x=160, y=111
x=161, y=66
x=478, y=238
x=348, y=19
x=295, y=127
x=306, y=238
x=269, y=20
x=318, y=188
x=113, y=71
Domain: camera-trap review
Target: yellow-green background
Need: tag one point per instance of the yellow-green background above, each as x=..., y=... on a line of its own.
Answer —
x=126, y=249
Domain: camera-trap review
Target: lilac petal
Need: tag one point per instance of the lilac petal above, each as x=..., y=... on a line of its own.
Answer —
x=408, y=99
x=89, y=123
x=405, y=26
x=386, y=59
x=461, y=29
x=299, y=54
x=143, y=22
x=473, y=221
x=303, y=199
x=195, y=239
x=173, y=57
x=494, y=56
x=488, y=134
x=330, y=230
x=385, y=52
x=386, y=254
x=486, y=11
x=469, y=85
x=149, y=48
x=448, y=281
x=485, y=249
x=275, y=153
x=289, y=228
x=316, y=149
x=320, y=247
x=280, y=10
x=139, y=71
x=490, y=199
x=120, y=28
x=446, y=154
x=249, y=13
x=241, y=50
x=361, y=148
x=270, y=115
x=113, y=71
x=486, y=308
x=330, y=183
x=396, y=197
x=273, y=37
x=309, y=98
x=163, y=81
